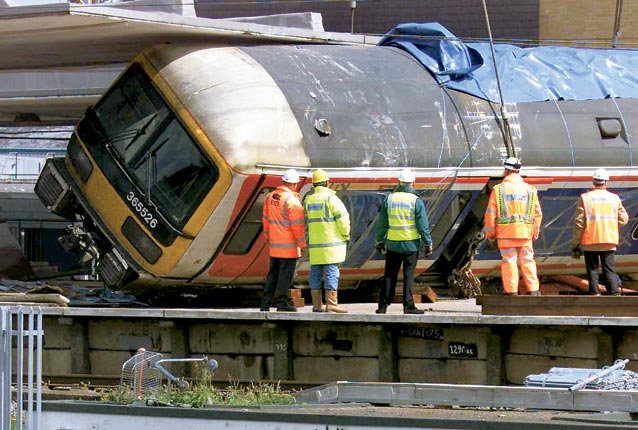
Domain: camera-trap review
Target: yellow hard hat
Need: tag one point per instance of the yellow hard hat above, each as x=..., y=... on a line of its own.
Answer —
x=319, y=176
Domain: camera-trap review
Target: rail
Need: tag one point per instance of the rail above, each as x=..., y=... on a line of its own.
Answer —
x=21, y=323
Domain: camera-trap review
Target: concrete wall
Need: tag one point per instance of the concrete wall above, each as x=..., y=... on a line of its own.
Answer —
x=324, y=351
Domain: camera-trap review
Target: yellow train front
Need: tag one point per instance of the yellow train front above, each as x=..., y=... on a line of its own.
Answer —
x=167, y=173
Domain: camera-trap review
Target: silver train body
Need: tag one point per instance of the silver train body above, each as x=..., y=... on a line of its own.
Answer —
x=362, y=113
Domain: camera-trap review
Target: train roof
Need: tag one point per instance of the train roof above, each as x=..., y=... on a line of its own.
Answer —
x=304, y=106
x=345, y=106
x=526, y=74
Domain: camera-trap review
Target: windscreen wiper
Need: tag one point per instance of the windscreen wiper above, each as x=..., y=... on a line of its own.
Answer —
x=141, y=130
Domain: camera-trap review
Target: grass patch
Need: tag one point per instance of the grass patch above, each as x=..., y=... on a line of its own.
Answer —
x=205, y=394
x=200, y=393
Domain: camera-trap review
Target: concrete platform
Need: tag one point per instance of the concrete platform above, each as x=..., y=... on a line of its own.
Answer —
x=466, y=311
x=82, y=415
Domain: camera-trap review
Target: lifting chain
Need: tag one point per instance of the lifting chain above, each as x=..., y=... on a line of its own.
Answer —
x=470, y=285
x=467, y=284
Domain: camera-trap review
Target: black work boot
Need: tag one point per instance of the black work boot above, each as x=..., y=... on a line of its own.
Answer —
x=265, y=304
x=412, y=310
x=286, y=306
x=381, y=309
x=594, y=290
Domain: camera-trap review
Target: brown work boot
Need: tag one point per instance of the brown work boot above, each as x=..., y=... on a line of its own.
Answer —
x=332, y=304
x=317, y=300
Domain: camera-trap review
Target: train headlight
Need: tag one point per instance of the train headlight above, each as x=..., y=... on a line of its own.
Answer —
x=80, y=161
x=114, y=271
x=141, y=241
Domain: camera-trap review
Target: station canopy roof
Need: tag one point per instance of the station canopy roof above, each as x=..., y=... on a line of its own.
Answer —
x=58, y=58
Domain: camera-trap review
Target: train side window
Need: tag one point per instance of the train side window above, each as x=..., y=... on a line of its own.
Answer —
x=612, y=132
x=249, y=229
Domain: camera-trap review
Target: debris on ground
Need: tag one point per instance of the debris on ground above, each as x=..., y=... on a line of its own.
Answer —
x=64, y=293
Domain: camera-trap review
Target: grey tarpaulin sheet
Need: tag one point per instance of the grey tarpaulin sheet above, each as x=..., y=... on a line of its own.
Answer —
x=526, y=74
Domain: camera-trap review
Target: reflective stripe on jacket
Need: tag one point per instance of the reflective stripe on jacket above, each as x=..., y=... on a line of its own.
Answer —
x=401, y=216
x=513, y=210
x=601, y=217
x=328, y=225
x=421, y=221
x=283, y=222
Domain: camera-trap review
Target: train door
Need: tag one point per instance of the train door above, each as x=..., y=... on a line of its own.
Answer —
x=243, y=255
x=243, y=251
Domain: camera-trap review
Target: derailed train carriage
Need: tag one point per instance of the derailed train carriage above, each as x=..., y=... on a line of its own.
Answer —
x=169, y=170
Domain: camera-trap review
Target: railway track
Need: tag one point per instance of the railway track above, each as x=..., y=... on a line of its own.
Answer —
x=90, y=387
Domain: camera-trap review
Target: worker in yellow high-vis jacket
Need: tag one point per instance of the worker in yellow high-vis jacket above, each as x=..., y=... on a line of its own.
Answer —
x=598, y=216
x=513, y=218
x=328, y=224
x=401, y=230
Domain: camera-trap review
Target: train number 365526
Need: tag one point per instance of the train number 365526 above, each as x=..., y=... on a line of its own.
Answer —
x=138, y=206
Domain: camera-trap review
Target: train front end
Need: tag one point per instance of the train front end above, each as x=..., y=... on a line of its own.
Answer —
x=138, y=181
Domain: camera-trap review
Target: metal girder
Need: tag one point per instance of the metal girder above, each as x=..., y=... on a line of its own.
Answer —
x=471, y=396
x=58, y=58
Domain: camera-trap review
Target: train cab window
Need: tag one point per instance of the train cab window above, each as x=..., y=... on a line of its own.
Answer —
x=249, y=229
x=150, y=143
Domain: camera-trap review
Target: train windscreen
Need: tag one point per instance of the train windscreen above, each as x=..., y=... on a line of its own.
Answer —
x=138, y=128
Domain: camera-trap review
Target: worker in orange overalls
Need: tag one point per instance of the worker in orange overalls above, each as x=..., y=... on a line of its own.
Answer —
x=283, y=222
x=598, y=216
x=513, y=218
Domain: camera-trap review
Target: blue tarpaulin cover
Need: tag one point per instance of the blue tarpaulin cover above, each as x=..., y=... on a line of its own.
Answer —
x=526, y=74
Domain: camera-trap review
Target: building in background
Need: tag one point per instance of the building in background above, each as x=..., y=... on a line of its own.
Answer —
x=572, y=22
x=23, y=152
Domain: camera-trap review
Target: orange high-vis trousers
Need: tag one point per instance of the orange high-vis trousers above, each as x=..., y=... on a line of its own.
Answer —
x=511, y=257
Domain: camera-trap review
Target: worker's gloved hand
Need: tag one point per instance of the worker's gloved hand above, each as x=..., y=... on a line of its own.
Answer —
x=427, y=250
x=576, y=253
x=490, y=245
x=380, y=246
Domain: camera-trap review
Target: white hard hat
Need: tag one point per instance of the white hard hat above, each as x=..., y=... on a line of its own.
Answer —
x=600, y=175
x=291, y=176
x=512, y=163
x=406, y=176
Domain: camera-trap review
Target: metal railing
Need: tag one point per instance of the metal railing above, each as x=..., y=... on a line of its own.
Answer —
x=21, y=367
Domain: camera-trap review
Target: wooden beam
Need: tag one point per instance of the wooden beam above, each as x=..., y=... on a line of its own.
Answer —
x=27, y=298
x=608, y=306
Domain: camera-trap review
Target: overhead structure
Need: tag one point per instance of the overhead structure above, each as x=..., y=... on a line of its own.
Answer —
x=58, y=58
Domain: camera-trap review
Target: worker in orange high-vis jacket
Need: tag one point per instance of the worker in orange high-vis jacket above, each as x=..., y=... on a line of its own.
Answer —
x=284, y=230
x=513, y=218
x=598, y=216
